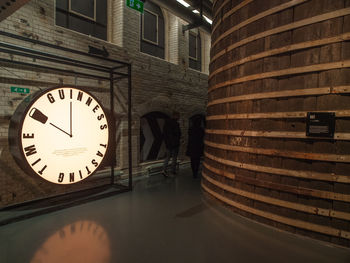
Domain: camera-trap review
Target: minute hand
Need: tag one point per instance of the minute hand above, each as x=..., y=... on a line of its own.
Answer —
x=61, y=129
x=71, y=120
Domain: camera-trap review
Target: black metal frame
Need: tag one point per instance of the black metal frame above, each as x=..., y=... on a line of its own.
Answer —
x=117, y=71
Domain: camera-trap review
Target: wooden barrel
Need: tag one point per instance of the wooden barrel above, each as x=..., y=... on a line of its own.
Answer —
x=278, y=115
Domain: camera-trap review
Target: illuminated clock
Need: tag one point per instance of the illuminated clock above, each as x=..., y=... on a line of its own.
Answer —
x=62, y=135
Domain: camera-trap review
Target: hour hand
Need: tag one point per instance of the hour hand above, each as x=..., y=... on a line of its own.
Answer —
x=61, y=129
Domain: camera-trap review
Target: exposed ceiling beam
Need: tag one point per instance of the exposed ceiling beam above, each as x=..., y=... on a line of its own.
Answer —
x=185, y=13
x=207, y=6
x=8, y=7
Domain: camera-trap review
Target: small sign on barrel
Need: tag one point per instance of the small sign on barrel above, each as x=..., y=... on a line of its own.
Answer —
x=320, y=124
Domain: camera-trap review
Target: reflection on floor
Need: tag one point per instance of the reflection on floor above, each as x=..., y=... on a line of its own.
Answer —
x=81, y=241
x=161, y=220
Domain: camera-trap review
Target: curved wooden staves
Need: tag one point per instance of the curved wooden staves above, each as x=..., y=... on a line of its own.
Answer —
x=284, y=28
x=284, y=94
x=331, y=177
x=232, y=11
x=281, y=219
x=276, y=134
x=254, y=18
x=282, y=50
x=283, y=153
x=276, y=201
x=285, y=72
x=243, y=165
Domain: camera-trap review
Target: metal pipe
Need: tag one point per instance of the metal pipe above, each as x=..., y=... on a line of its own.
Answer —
x=54, y=59
x=32, y=51
x=121, y=75
x=207, y=6
x=118, y=67
x=68, y=72
x=38, y=42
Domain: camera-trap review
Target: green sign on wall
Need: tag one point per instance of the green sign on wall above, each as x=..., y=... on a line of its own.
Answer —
x=19, y=90
x=135, y=4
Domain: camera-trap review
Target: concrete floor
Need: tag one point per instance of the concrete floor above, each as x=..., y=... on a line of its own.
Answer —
x=161, y=220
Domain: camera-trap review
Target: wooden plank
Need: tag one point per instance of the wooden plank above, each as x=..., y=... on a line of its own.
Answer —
x=266, y=13
x=269, y=115
x=284, y=220
x=275, y=134
x=236, y=8
x=330, y=177
x=273, y=95
x=284, y=72
x=301, y=23
x=232, y=11
x=292, y=189
x=283, y=94
x=289, y=154
x=218, y=9
x=340, y=90
x=278, y=202
x=274, y=115
x=285, y=49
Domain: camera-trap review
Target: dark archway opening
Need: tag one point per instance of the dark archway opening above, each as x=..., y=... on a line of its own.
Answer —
x=152, y=145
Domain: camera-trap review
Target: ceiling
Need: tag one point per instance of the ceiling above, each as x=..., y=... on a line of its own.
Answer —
x=8, y=7
x=187, y=13
x=207, y=6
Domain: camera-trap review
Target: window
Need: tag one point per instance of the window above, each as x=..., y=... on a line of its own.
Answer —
x=193, y=46
x=194, y=51
x=149, y=34
x=152, y=31
x=85, y=16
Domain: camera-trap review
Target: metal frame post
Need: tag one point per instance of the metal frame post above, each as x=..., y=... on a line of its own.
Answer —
x=111, y=100
x=99, y=71
x=129, y=127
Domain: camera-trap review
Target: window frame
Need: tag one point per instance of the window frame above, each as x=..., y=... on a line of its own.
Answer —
x=143, y=28
x=196, y=41
x=70, y=10
x=67, y=15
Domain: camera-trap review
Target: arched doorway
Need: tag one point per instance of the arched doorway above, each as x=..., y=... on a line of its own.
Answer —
x=152, y=145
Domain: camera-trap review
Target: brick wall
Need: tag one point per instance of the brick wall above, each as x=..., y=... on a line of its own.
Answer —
x=157, y=85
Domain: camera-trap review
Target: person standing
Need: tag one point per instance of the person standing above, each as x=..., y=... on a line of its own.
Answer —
x=195, y=145
x=171, y=135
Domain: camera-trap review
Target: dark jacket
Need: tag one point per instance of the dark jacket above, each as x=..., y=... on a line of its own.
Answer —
x=195, y=144
x=171, y=134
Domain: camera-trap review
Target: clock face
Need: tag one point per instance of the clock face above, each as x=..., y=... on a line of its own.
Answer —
x=64, y=135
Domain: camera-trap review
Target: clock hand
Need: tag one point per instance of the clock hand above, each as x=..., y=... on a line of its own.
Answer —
x=71, y=119
x=61, y=129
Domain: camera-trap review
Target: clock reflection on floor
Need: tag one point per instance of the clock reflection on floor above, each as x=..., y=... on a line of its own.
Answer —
x=80, y=242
